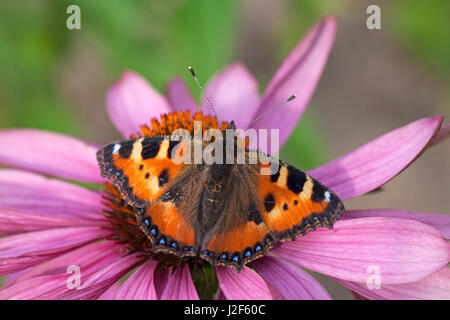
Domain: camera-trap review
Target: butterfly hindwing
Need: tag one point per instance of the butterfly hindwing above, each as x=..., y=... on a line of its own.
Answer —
x=245, y=241
x=167, y=228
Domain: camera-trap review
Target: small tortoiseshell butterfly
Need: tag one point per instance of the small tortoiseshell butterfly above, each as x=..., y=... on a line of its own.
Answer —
x=228, y=214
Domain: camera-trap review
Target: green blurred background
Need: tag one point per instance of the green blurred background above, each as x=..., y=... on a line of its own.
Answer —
x=375, y=81
x=55, y=79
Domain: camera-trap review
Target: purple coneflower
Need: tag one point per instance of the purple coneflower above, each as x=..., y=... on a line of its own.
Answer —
x=50, y=224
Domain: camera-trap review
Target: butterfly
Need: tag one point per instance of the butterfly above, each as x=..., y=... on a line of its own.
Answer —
x=227, y=214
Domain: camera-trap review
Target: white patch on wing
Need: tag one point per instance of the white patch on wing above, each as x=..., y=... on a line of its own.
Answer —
x=116, y=148
x=327, y=195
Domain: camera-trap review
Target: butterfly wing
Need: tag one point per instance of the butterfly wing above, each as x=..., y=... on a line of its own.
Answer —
x=295, y=203
x=288, y=204
x=148, y=178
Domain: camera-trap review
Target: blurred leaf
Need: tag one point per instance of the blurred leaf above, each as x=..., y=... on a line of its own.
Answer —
x=158, y=40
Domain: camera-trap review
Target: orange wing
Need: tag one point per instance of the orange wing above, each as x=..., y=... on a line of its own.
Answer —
x=246, y=242
x=142, y=170
x=295, y=203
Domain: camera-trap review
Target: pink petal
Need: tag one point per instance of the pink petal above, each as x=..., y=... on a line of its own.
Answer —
x=438, y=221
x=298, y=74
x=41, y=288
x=221, y=296
x=8, y=279
x=161, y=278
x=180, y=285
x=111, y=293
x=234, y=94
x=292, y=282
x=99, y=282
x=179, y=96
x=444, y=133
x=16, y=221
x=27, y=249
x=34, y=193
x=245, y=285
x=140, y=285
x=132, y=101
x=49, y=153
x=89, y=258
x=433, y=287
x=378, y=161
x=49, y=280
x=402, y=250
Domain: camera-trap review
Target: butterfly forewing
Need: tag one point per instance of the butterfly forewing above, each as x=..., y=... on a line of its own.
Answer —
x=295, y=203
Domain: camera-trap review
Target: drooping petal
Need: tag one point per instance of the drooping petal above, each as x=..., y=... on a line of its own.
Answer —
x=234, y=94
x=140, y=285
x=17, y=221
x=299, y=75
x=55, y=277
x=292, y=282
x=440, y=222
x=179, y=96
x=378, y=161
x=34, y=193
x=180, y=285
x=401, y=250
x=443, y=133
x=99, y=282
x=49, y=153
x=433, y=287
x=245, y=285
x=23, y=250
x=132, y=101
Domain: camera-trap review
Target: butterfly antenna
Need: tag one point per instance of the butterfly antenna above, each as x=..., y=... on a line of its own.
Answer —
x=269, y=111
x=203, y=92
